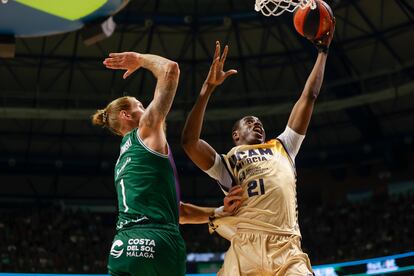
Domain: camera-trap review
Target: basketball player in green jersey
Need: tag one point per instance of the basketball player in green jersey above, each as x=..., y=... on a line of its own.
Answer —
x=148, y=241
x=264, y=232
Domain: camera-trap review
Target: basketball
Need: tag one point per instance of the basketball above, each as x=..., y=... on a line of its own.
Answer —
x=313, y=23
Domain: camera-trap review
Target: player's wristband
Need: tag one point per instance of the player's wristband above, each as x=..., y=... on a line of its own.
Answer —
x=219, y=212
x=323, y=49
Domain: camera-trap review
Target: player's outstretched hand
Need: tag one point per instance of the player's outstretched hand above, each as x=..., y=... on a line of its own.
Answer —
x=216, y=75
x=323, y=43
x=129, y=61
x=233, y=200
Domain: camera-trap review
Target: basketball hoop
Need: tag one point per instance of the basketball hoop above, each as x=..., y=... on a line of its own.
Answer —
x=277, y=7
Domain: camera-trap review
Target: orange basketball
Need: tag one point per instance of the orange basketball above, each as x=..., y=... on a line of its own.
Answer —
x=313, y=23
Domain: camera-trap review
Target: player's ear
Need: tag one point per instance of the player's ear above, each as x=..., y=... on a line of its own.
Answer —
x=235, y=136
x=124, y=114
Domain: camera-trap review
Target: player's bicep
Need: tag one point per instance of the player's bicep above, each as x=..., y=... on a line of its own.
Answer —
x=301, y=114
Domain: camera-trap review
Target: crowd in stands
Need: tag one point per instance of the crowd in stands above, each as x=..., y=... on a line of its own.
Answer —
x=63, y=240
x=358, y=230
x=52, y=240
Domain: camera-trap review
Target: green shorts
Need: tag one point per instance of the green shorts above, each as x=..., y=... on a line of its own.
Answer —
x=147, y=252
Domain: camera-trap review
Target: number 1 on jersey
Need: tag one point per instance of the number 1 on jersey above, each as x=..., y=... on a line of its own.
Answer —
x=123, y=195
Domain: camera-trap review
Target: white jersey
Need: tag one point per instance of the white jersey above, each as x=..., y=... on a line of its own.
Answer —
x=267, y=175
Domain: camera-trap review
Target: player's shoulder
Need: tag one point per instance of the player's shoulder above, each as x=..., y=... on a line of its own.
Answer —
x=273, y=142
x=276, y=144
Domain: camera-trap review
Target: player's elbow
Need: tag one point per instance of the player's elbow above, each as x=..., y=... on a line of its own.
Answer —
x=314, y=88
x=172, y=70
x=187, y=143
x=313, y=94
x=186, y=147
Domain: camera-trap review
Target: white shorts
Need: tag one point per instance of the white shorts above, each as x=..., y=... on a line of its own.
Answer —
x=262, y=254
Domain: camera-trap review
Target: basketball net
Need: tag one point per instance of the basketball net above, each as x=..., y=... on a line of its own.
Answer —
x=277, y=7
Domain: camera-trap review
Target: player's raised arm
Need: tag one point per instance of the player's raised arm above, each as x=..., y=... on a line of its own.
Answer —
x=302, y=111
x=167, y=74
x=199, y=151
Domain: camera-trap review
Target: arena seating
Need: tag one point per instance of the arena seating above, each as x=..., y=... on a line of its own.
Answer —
x=51, y=238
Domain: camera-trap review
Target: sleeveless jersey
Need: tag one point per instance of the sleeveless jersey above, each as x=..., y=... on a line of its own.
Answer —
x=268, y=177
x=145, y=186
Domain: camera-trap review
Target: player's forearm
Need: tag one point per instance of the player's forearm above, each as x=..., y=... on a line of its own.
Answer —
x=194, y=123
x=167, y=73
x=314, y=83
x=192, y=214
x=159, y=66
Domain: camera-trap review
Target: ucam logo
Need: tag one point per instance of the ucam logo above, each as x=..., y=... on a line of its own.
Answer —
x=114, y=252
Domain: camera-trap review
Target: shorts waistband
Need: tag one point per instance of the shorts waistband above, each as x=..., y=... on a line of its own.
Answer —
x=162, y=227
x=265, y=232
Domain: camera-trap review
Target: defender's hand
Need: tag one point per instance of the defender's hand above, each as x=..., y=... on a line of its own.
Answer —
x=216, y=75
x=233, y=200
x=129, y=61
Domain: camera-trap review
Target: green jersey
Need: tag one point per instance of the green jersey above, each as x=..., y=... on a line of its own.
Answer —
x=145, y=186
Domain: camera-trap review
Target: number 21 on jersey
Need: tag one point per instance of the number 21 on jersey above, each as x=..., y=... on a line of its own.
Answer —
x=256, y=187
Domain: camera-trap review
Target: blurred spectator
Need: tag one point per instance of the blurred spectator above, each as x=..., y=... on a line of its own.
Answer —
x=51, y=240
x=360, y=230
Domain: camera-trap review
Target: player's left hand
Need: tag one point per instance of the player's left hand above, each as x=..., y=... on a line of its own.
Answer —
x=216, y=75
x=129, y=61
x=233, y=200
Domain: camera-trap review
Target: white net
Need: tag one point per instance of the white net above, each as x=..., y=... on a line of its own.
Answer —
x=277, y=7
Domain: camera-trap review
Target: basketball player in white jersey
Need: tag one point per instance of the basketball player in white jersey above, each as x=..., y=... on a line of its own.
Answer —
x=264, y=232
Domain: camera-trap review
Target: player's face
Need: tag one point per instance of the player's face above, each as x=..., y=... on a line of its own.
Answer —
x=249, y=132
